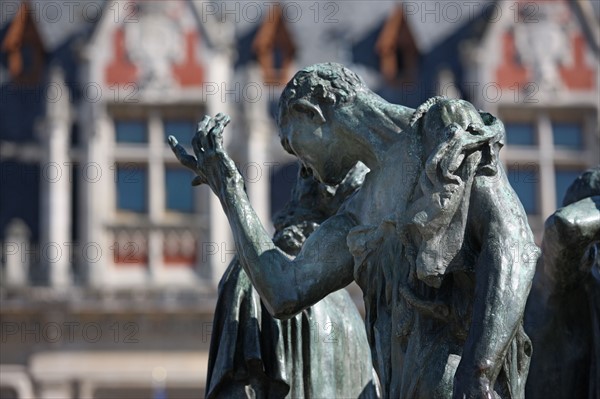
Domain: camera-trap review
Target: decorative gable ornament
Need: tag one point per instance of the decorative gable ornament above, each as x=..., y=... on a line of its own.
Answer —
x=154, y=43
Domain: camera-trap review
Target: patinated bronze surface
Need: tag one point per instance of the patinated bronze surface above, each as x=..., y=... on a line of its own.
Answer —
x=436, y=237
x=321, y=352
x=563, y=311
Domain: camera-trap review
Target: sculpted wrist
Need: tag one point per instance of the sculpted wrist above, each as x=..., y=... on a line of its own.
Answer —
x=230, y=184
x=225, y=176
x=480, y=368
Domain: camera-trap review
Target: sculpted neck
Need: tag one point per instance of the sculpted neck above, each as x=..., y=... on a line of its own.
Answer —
x=372, y=125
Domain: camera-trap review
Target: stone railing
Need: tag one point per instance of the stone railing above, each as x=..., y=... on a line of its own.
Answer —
x=157, y=253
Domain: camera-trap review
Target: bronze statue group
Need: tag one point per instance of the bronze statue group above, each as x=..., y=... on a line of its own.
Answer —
x=414, y=206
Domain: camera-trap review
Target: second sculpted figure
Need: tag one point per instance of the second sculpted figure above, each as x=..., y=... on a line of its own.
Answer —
x=436, y=237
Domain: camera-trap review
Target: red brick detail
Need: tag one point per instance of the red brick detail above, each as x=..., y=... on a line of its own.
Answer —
x=579, y=76
x=273, y=35
x=120, y=70
x=189, y=72
x=510, y=72
x=180, y=260
x=125, y=255
x=23, y=34
x=396, y=37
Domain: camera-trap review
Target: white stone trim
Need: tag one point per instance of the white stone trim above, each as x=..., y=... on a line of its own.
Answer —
x=16, y=377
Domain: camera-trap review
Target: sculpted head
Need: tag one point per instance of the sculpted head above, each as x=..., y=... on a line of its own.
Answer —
x=310, y=124
x=311, y=204
x=443, y=120
x=586, y=185
x=438, y=113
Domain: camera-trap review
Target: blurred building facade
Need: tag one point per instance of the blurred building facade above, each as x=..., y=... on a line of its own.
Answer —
x=111, y=260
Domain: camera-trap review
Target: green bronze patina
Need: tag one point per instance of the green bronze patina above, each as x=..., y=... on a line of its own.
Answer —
x=436, y=237
x=563, y=311
x=322, y=352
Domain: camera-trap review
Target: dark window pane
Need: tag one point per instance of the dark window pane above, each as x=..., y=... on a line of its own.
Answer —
x=524, y=179
x=520, y=134
x=567, y=135
x=27, y=57
x=180, y=195
x=283, y=181
x=563, y=178
x=132, y=188
x=401, y=61
x=278, y=57
x=183, y=130
x=130, y=132
x=274, y=108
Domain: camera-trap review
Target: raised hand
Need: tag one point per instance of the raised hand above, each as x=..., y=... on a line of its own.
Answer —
x=211, y=163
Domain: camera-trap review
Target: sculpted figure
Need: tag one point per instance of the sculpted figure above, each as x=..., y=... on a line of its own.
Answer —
x=563, y=311
x=321, y=352
x=436, y=237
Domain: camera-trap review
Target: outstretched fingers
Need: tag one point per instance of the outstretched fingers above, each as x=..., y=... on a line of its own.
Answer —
x=187, y=160
x=198, y=142
x=215, y=136
x=207, y=142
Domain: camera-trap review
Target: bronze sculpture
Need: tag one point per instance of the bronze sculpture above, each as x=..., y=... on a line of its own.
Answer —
x=435, y=237
x=563, y=311
x=320, y=353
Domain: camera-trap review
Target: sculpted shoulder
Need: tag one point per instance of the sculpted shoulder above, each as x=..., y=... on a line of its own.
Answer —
x=495, y=209
x=389, y=187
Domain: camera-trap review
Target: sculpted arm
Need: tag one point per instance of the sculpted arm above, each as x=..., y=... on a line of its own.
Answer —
x=285, y=285
x=504, y=271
